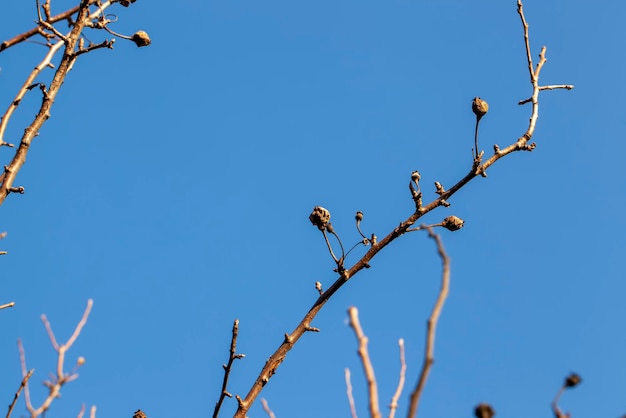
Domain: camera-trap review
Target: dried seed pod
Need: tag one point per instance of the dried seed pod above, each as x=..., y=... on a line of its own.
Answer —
x=479, y=107
x=415, y=176
x=320, y=217
x=452, y=223
x=572, y=380
x=141, y=38
x=484, y=410
x=359, y=216
x=126, y=3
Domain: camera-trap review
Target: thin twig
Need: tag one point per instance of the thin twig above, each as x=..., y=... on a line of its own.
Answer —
x=349, y=393
x=61, y=378
x=19, y=390
x=228, y=367
x=267, y=409
x=555, y=407
x=431, y=327
x=394, y=400
x=34, y=31
x=7, y=305
x=368, y=369
x=521, y=144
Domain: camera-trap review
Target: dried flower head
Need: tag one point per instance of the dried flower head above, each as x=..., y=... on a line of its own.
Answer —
x=141, y=38
x=452, y=223
x=415, y=176
x=484, y=410
x=359, y=216
x=479, y=107
x=572, y=380
x=320, y=217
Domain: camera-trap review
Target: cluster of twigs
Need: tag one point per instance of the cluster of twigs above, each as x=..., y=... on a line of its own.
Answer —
x=62, y=52
x=60, y=378
x=320, y=217
x=89, y=14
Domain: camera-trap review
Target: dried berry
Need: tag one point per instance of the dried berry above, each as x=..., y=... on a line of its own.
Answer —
x=572, y=380
x=141, y=38
x=452, y=223
x=479, y=107
x=320, y=217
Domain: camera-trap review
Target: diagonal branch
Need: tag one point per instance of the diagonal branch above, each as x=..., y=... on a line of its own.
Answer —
x=521, y=144
x=67, y=61
x=431, y=327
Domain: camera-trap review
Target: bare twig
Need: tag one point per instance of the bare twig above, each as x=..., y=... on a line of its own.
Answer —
x=571, y=381
x=431, y=327
x=7, y=305
x=368, y=369
x=228, y=367
x=394, y=400
x=267, y=409
x=521, y=144
x=61, y=378
x=19, y=390
x=37, y=29
x=349, y=393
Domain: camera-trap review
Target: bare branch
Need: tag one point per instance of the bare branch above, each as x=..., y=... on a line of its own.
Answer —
x=372, y=388
x=67, y=61
x=349, y=393
x=19, y=390
x=7, y=305
x=56, y=383
x=36, y=30
x=267, y=409
x=521, y=144
x=394, y=400
x=431, y=327
x=228, y=367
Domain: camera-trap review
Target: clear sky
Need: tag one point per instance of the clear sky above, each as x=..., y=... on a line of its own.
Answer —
x=173, y=186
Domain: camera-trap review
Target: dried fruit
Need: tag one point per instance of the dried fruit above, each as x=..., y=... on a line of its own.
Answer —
x=141, y=38
x=452, y=223
x=320, y=217
x=479, y=107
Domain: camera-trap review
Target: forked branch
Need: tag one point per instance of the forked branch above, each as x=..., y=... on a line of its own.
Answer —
x=61, y=378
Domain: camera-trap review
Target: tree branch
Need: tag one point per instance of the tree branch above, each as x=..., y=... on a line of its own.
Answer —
x=431, y=327
x=368, y=369
x=228, y=367
x=521, y=144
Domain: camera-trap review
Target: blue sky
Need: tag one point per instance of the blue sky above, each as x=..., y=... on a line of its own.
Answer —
x=173, y=186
